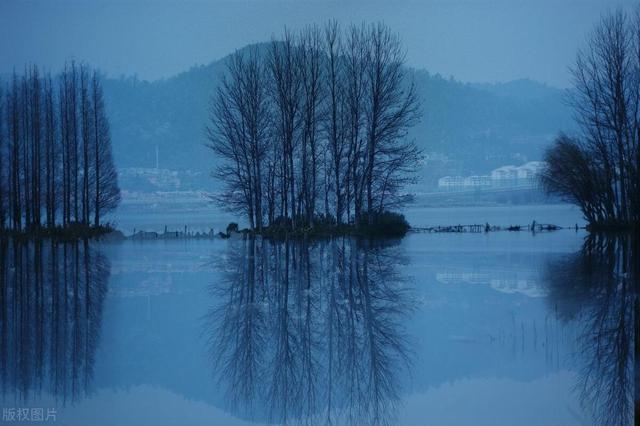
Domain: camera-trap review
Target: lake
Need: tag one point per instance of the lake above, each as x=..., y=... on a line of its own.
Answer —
x=445, y=329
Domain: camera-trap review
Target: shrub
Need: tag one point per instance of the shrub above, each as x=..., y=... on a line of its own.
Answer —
x=232, y=227
x=324, y=221
x=383, y=223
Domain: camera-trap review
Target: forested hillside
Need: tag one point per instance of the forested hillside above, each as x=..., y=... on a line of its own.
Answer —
x=465, y=128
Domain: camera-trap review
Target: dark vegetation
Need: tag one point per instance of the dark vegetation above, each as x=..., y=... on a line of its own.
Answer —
x=598, y=169
x=57, y=176
x=380, y=224
x=478, y=228
x=71, y=232
x=310, y=135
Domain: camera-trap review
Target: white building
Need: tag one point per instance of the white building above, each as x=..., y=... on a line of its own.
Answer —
x=477, y=182
x=505, y=173
x=530, y=170
x=525, y=175
x=451, y=183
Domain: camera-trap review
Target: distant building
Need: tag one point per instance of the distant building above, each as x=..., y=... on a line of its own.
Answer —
x=504, y=176
x=508, y=176
x=524, y=175
x=531, y=170
x=451, y=183
x=459, y=183
x=146, y=178
x=477, y=182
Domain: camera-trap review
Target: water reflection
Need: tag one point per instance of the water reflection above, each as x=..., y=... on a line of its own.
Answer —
x=312, y=332
x=51, y=298
x=597, y=287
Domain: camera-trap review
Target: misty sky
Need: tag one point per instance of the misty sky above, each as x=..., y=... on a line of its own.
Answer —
x=471, y=40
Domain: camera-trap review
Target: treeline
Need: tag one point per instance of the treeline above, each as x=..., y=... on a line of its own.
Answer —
x=312, y=128
x=56, y=166
x=598, y=170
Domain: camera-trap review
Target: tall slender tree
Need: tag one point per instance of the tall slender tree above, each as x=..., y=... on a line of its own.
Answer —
x=356, y=85
x=312, y=81
x=86, y=129
x=334, y=112
x=35, y=113
x=51, y=153
x=3, y=185
x=13, y=118
x=239, y=131
x=285, y=90
x=106, y=192
x=391, y=107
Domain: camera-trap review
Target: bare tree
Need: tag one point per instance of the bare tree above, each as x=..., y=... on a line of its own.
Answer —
x=335, y=116
x=36, y=143
x=574, y=175
x=311, y=75
x=86, y=129
x=606, y=102
x=3, y=160
x=51, y=153
x=356, y=85
x=25, y=166
x=13, y=117
x=285, y=92
x=391, y=108
x=105, y=196
x=238, y=132
x=72, y=110
x=65, y=131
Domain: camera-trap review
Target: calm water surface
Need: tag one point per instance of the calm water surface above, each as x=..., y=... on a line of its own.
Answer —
x=447, y=329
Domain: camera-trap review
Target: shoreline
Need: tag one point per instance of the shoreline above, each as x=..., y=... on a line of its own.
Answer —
x=74, y=232
x=397, y=231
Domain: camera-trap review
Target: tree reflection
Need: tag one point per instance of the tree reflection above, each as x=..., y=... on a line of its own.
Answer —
x=598, y=287
x=312, y=332
x=51, y=298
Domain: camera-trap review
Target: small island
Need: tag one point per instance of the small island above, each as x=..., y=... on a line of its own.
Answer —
x=383, y=224
x=309, y=133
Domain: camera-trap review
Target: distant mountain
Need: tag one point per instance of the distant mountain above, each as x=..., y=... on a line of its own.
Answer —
x=169, y=115
x=473, y=128
x=522, y=89
x=466, y=128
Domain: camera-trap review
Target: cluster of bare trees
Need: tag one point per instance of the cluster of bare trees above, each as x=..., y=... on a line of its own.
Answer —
x=599, y=169
x=56, y=166
x=314, y=125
